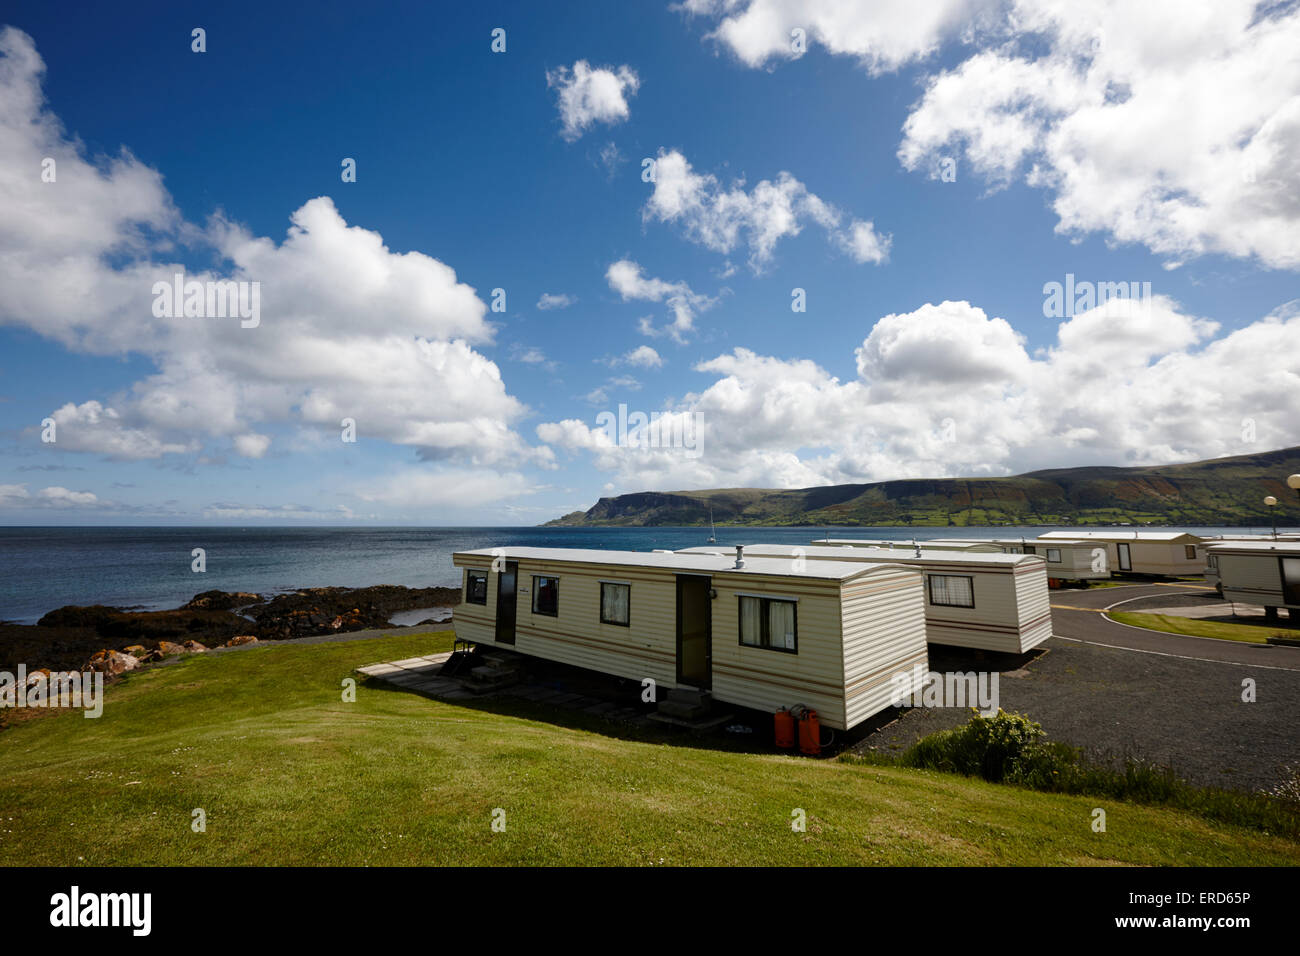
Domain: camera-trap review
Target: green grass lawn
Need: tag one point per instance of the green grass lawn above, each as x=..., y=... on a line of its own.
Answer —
x=1196, y=627
x=288, y=773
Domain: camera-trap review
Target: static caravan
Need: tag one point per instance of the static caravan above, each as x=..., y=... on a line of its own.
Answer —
x=989, y=601
x=1066, y=560
x=943, y=544
x=755, y=633
x=1257, y=572
x=1165, y=553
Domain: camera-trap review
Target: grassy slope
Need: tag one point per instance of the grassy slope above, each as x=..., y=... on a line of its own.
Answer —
x=1224, y=630
x=288, y=773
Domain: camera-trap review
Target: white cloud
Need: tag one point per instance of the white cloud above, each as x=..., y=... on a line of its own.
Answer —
x=882, y=34
x=55, y=496
x=947, y=390
x=531, y=355
x=225, y=511
x=550, y=301
x=588, y=96
x=628, y=280
x=1170, y=123
x=1173, y=124
x=349, y=328
x=252, y=445
x=643, y=356
x=723, y=218
x=446, y=488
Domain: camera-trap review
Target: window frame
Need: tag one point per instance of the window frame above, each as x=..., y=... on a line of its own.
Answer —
x=1189, y=552
x=929, y=590
x=1053, y=560
x=470, y=573
x=765, y=623
x=601, y=609
x=537, y=593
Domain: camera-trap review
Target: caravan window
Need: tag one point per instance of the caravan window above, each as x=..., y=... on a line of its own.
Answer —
x=769, y=623
x=614, y=600
x=1053, y=555
x=952, y=590
x=1190, y=551
x=546, y=595
x=475, y=586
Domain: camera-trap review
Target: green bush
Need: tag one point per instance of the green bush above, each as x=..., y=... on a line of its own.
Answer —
x=988, y=747
x=1012, y=749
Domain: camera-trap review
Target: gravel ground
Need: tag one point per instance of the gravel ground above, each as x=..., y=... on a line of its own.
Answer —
x=1179, y=713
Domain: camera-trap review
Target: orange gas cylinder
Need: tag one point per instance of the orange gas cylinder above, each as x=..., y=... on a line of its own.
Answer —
x=784, y=726
x=810, y=734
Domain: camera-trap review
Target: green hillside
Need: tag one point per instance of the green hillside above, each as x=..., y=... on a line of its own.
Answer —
x=287, y=773
x=1221, y=491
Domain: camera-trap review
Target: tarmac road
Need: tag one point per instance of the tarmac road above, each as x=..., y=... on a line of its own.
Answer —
x=1077, y=616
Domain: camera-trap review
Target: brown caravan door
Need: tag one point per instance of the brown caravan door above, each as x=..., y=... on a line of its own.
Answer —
x=507, y=597
x=694, y=631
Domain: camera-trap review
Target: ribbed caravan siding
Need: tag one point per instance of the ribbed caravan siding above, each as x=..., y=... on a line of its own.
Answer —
x=1076, y=562
x=1035, y=603
x=1251, y=579
x=993, y=624
x=884, y=634
x=768, y=680
x=576, y=636
x=476, y=622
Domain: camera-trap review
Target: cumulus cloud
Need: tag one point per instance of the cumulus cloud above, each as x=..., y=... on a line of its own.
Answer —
x=587, y=95
x=948, y=390
x=882, y=34
x=628, y=279
x=643, y=356
x=550, y=301
x=55, y=496
x=723, y=218
x=1169, y=123
x=349, y=328
x=1173, y=124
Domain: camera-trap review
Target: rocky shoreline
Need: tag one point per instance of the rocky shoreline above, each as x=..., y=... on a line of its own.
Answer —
x=97, y=637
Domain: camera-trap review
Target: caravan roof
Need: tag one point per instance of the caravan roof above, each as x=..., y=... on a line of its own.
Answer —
x=1169, y=536
x=706, y=560
x=846, y=554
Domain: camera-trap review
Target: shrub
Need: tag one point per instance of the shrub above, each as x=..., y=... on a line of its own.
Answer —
x=1012, y=749
x=988, y=747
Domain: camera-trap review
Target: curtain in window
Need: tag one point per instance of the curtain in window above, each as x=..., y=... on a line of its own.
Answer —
x=751, y=621
x=951, y=590
x=614, y=602
x=780, y=618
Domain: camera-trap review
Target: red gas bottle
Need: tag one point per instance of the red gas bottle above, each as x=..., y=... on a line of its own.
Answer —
x=784, y=729
x=810, y=734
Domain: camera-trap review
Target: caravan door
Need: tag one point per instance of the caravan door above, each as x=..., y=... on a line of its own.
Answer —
x=1125, y=562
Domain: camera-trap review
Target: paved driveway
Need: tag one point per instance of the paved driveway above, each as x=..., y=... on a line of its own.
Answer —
x=1077, y=616
x=1121, y=691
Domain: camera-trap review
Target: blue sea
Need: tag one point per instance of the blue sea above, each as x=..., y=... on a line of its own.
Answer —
x=149, y=567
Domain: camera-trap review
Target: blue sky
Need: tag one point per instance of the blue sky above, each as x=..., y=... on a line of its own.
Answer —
x=1156, y=154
